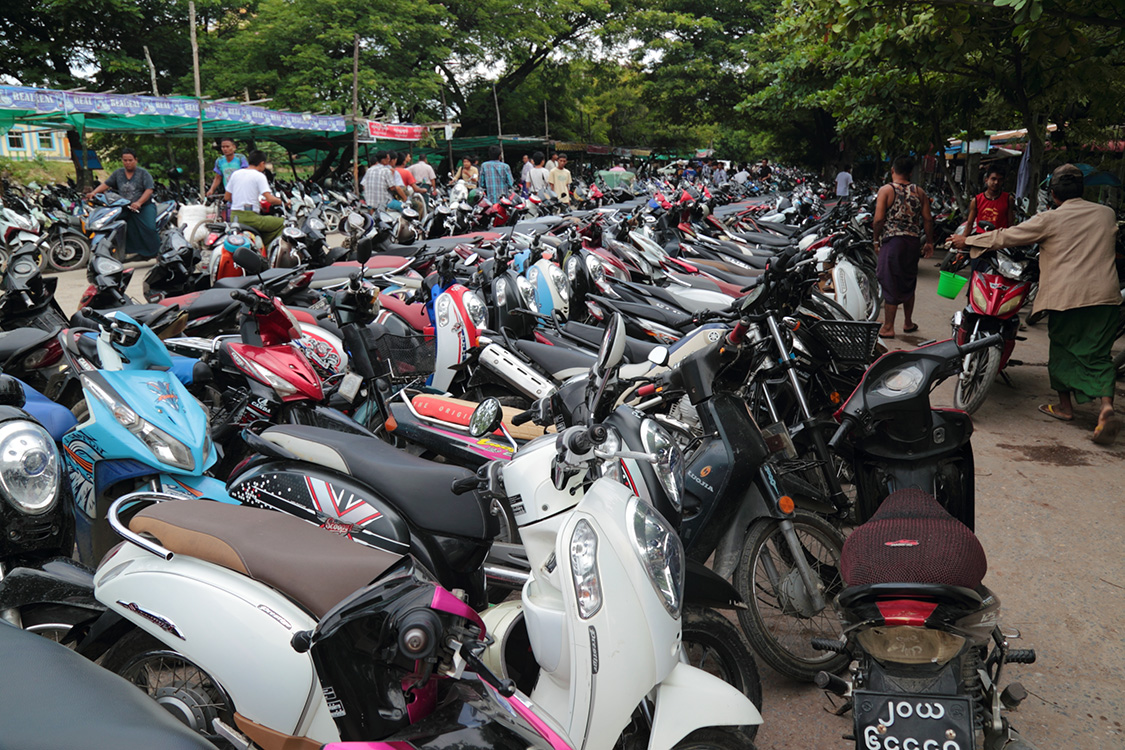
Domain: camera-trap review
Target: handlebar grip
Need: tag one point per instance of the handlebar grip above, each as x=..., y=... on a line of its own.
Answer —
x=97, y=317
x=841, y=432
x=972, y=346
x=465, y=484
x=738, y=333
x=522, y=417
x=243, y=296
x=646, y=390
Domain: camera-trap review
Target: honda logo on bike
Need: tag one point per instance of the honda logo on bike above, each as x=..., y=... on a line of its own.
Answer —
x=902, y=543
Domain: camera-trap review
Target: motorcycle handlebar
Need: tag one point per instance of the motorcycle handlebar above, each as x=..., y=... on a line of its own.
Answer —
x=97, y=317
x=522, y=418
x=841, y=432
x=244, y=297
x=972, y=346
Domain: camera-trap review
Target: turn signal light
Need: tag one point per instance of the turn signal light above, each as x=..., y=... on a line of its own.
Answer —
x=785, y=504
x=834, y=397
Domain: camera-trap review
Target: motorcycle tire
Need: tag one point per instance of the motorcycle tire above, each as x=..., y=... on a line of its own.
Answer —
x=67, y=253
x=1119, y=365
x=173, y=681
x=779, y=623
x=52, y=621
x=714, y=644
x=715, y=738
x=975, y=378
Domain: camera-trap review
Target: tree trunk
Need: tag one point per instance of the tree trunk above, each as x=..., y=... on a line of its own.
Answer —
x=78, y=157
x=325, y=166
x=1035, y=130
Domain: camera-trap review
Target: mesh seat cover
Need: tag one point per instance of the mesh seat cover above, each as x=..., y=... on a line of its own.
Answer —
x=912, y=539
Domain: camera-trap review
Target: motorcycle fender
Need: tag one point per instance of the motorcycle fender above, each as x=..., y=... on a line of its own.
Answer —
x=58, y=580
x=689, y=699
x=514, y=372
x=705, y=588
x=729, y=549
x=234, y=628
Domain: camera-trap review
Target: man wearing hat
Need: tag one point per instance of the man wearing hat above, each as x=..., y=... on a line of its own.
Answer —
x=1078, y=285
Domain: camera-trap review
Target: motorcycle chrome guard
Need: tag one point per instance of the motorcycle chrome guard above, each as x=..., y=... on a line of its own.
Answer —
x=237, y=630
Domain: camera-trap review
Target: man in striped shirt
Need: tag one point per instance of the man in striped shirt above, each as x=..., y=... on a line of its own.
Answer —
x=495, y=176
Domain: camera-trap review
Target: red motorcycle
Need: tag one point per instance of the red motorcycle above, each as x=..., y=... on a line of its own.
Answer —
x=1001, y=283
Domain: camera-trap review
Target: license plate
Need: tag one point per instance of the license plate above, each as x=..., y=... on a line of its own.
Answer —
x=887, y=721
x=349, y=386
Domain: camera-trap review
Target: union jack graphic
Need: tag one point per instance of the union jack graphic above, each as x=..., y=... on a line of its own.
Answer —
x=348, y=508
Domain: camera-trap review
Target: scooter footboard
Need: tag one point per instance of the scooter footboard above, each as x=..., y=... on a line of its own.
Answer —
x=689, y=699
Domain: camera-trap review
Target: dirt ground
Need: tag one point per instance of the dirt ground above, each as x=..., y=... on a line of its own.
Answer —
x=1051, y=516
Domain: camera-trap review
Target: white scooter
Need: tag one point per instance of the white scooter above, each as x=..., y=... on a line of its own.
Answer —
x=602, y=607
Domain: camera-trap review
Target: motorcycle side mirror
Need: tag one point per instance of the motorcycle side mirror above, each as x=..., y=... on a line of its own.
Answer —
x=250, y=260
x=658, y=356
x=11, y=392
x=363, y=250
x=356, y=222
x=486, y=417
x=471, y=260
x=613, y=345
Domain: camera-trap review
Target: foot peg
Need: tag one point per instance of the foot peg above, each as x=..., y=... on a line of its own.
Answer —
x=1020, y=656
x=1013, y=695
x=832, y=683
x=828, y=644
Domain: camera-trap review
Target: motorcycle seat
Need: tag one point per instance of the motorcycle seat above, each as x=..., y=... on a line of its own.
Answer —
x=761, y=238
x=560, y=361
x=457, y=411
x=207, y=303
x=144, y=313
x=13, y=343
x=419, y=489
x=245, y=282
x=313, y=567
x=911, y=539
x=636, y=350
x=102, y=709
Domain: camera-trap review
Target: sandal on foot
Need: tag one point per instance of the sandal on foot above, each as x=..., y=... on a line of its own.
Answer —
x=910, y=328
x=1105, y=434
x=1049, y=410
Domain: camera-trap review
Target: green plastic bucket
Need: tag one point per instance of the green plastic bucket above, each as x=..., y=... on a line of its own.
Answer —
x=950, y=284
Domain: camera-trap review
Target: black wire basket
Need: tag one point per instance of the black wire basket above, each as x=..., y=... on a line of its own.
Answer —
x=848, y=340
x=406, y=357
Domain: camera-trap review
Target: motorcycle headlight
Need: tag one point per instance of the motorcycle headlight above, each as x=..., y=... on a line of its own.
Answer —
x=316, y=224
x=104, y=266
x=670, y=467
x=904, y=381
x=660, y=551
x=584, y=569
x=442, y=305
x=1010, y=268
x=572, y=268
x=611, y=468
x=558, y=278
x=527, y=292
x=101, y=221
x=1010, y=305
x=595, y=266
x=979, y=300
x=478, y=313
x=29, y=467
x=162, y=445
x=501, y=292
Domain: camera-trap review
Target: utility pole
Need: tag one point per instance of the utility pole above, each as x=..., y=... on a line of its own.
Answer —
x=198, y=96
x=448, y=130
x=355, y=115
x=546, y=124
x=499, y=131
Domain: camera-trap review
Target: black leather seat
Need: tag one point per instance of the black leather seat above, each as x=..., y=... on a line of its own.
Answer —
x=659, y=315
x=419, y=489
x=208, y=303
x=636, y=350
x=145, y=314
x=245, y=282
x=556, y=359
x=50, y=698
x=761, y=238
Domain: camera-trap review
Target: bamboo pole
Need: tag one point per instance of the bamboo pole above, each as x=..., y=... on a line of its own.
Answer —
x=156, y=92
x=499, y=130
x=198, y=98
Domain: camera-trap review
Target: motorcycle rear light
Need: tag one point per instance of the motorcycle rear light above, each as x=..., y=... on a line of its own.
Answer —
x=906, y=611
x=87, y=296
x=301, y=281
x=910, y=644
x=45, y=357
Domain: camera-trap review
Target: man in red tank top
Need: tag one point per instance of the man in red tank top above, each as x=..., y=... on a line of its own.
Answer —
x=992, y=205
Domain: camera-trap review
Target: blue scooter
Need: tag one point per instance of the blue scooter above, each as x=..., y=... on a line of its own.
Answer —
x=140, y=426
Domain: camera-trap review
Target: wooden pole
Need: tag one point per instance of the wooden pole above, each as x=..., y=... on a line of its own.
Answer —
x=198, y=98
x=546, y=123
x=156, y=92
x=499, y=130
x=355, y=116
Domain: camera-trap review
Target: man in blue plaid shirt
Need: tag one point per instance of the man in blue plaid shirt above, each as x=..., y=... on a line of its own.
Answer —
x=495, y=176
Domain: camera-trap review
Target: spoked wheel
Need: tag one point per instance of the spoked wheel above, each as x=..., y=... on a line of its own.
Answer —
x=977, y=373
x=66, y=253
x=1119, y=365
x=182, y=688
x=51, y=621
x=714, y=644
x=781, y=619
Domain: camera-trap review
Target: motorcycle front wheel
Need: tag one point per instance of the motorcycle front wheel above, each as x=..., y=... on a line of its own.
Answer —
x=780, y=620
x=714, y=738
x=714, y=644
x=976, y=376
x=68, y=252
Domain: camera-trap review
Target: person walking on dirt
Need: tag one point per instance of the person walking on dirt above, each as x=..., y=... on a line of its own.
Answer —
x=993, y=205
x=1078, y=285
x=230, y=162
x=246, y=189
x=902, y=213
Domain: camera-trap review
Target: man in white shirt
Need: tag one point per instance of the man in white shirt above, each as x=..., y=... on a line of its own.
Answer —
x=423, y=172
x=843, y=182
x=741, y=176
x=246, y=188
x=538, y=179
